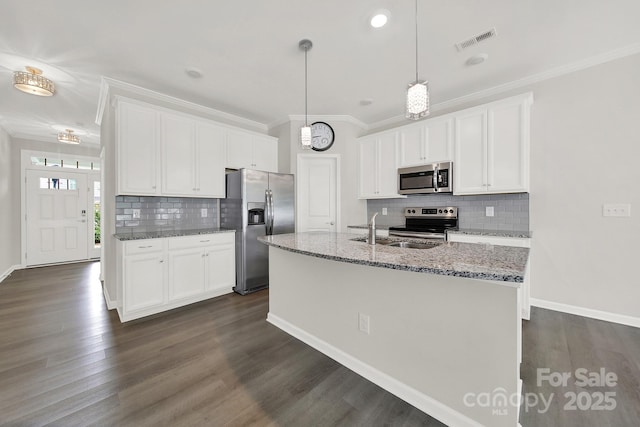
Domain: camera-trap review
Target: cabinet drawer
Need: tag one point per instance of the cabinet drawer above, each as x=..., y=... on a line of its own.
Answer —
x=143, y=246
x=200, y=240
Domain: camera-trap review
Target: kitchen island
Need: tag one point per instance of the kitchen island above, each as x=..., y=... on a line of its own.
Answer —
x=439, y=328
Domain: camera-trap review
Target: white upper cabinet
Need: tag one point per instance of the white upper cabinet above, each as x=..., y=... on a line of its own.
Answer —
x=193, y=154
x=248, y=150
x=378, y=171
x=137, y=150
x=492, y=147
x=162, y=153
x=426, y=142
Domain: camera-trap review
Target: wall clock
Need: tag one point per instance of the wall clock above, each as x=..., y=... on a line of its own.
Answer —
x=322, y=136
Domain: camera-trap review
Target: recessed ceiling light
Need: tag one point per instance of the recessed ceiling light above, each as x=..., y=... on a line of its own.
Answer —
x=477, y=59
x=366, y=101
x=380, y=18
x=193, y=73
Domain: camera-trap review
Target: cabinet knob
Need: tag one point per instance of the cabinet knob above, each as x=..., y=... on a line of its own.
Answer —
x=154, y=187
x=161, y=261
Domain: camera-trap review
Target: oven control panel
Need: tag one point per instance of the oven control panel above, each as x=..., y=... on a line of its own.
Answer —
x=431, y=212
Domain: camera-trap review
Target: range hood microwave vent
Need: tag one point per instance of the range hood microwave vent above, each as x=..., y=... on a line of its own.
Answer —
x=476, y=39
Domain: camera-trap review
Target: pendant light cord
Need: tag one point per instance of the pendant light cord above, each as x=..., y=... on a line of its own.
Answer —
x=416, y=40
x=305, y=86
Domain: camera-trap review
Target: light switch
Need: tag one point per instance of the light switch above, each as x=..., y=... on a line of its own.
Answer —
x=617, y=209
x=489, y=211
x=384, y=211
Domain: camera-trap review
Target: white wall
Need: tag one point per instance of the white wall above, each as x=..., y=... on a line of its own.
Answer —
x=352, y=210
x=585, y=148
x=9, y=211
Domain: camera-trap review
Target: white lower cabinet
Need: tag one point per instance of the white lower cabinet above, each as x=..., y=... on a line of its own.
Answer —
x=161, y=274
x=519, y=242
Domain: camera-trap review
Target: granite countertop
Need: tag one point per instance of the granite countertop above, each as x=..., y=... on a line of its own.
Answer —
x=485, y=262
x=492, y=233
x=169, y=233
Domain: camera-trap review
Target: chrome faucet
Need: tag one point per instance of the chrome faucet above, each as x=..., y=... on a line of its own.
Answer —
x=372, y=230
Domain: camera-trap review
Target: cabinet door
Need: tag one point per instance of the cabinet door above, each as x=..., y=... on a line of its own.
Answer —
x=470, y=156
x=387, y=166
x=412, y=145
x=508, y=148
x=368, y=187
x=143, y=281
x=210, y=161
x=137, y=150
x=439, y=136
x=186, y=273
x=178, y=155
x=221, y=268
x=239, y=150
x=265, y=154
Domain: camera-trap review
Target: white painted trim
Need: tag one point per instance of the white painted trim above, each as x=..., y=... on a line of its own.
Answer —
x=9, y=271
x=515, y=84
x=325, y=118
x=587, y=312
x=111, y=303
x=410, y=395
x=108, y=83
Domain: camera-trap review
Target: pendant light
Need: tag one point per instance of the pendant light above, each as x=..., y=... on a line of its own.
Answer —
x=305, y=131
x=32, y=81
x=68, y=137
x=418, y=92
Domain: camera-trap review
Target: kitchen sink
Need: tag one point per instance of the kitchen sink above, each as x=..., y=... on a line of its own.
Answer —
x=413, y=245
x=399, y=244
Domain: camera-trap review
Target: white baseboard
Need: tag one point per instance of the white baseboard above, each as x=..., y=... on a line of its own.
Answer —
x=587, y=312
x=9, y=271
x=410, y=395
x=111, y=303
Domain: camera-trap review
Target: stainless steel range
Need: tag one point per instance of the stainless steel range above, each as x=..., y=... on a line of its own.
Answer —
x=427, y=223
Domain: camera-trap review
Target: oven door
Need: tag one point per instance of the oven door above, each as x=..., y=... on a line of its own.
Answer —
x=417, y=180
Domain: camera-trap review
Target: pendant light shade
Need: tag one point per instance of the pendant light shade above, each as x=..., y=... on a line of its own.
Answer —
x=418, y=91
x=32, y=81
x=305, y=131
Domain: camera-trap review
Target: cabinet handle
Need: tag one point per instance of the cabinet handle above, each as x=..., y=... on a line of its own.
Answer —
x=194, y=188
x=144, y=247
x=204, y=241
x=154, y=187
x=161, y=261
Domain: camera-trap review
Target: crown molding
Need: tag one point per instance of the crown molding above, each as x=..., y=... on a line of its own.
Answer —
x=318, y=117
x=107, y=84
x=517, y=84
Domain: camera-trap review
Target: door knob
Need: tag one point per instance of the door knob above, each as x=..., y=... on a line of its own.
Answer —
x=330, y=223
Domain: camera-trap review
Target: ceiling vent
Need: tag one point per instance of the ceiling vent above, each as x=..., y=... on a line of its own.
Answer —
x=476, y=39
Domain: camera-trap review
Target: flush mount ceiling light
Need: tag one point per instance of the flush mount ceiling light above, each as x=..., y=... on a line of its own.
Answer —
x=418, y=91
x=32, y=81
x=305, y=131
x=68, y=137
x=193, y=72
x=380, y=18
x=477, y=59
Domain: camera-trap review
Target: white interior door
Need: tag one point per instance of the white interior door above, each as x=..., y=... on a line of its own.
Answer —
x=57, y=216
x=94, y=222
x=317, y=192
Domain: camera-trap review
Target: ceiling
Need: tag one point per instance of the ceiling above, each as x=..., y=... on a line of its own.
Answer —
x=247, y=52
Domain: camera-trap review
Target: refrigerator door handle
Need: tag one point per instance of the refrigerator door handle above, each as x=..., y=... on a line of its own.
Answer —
x=271, y=212
x=267, y=211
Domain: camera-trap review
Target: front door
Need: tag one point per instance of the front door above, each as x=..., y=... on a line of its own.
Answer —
x=56, y=216
x=317, y=192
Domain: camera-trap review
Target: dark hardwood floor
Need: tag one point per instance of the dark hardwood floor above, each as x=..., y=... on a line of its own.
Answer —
x=65, y=360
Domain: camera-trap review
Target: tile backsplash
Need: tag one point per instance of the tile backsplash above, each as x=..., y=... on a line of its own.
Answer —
x=511, y=211
x=142, y=214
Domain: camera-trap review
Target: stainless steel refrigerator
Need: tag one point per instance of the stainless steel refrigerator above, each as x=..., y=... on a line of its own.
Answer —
x=257, y=204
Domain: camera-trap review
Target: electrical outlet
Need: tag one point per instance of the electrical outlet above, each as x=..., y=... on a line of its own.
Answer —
x=363, y=323
x=384, y=211
x=135, y=213
x=203, y=212
x=489, y=211
x=618, y=209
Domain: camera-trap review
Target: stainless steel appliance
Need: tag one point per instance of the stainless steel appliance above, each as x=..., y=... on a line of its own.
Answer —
x=427, y=223
x=258, y=203
x=424, y=179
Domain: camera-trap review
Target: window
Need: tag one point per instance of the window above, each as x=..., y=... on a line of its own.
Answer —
x=58, y=184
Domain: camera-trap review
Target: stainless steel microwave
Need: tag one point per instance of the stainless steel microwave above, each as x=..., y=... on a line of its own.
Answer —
x=424, y=179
